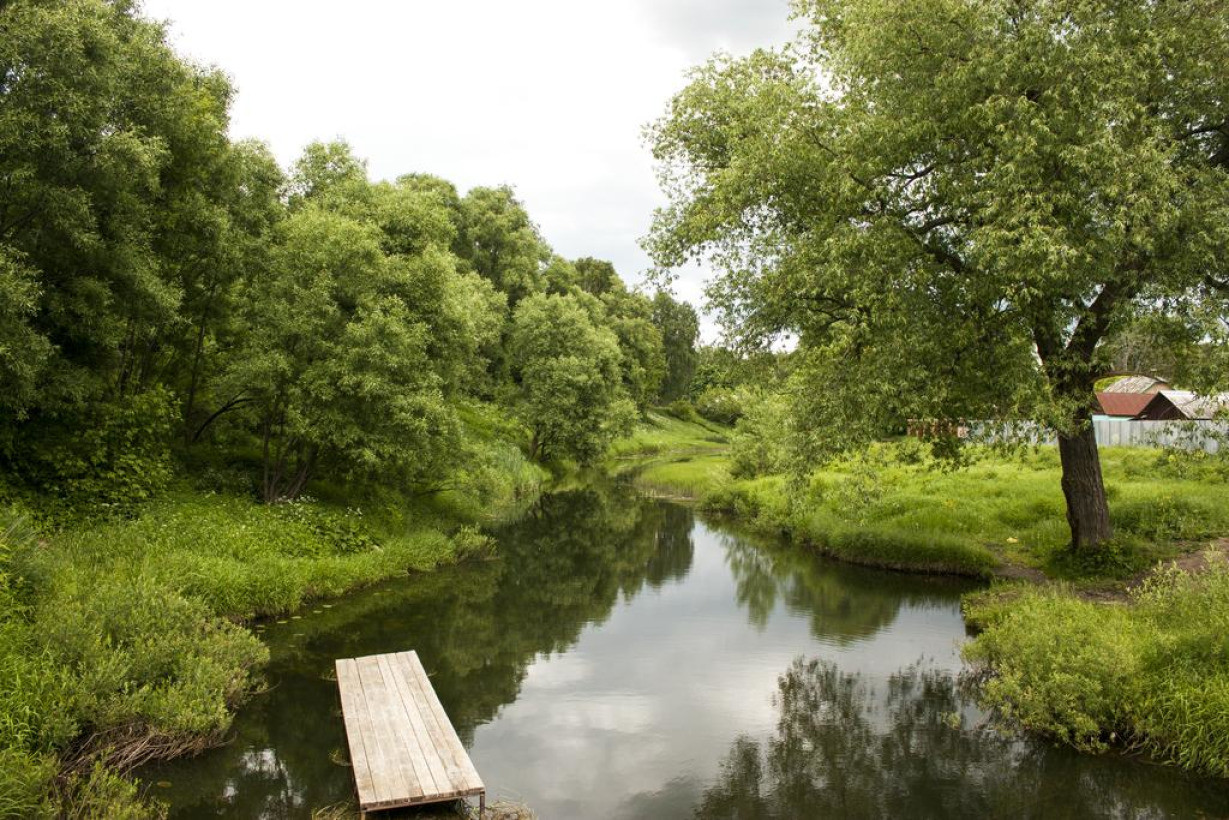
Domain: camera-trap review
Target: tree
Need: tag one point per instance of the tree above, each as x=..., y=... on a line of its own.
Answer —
x=501, y=243
x=630, y=316
x=643, y=359
x=336, y=363
x=955, y=205
x=567, y=367
x=597, y=276
x=109, y=146
x=680, y=328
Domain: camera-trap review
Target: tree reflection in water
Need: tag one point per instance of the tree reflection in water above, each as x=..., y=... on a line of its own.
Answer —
x=844, y=603
x=844, y=749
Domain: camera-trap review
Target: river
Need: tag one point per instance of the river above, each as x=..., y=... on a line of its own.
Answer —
x=625, y=659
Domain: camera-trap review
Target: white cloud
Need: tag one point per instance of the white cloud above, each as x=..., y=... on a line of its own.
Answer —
x=549, y=96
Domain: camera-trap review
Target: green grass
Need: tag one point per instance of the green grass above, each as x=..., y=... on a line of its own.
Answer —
x=130, y=630
x=892, y=507
x=660, y=433
x=688, y=477
x=1150, y=676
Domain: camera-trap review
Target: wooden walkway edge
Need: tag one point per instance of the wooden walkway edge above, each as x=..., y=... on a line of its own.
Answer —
x=403, y=747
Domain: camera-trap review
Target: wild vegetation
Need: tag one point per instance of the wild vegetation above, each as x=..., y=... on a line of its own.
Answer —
x=1151, y=676
x=230, y=388
x=894, y=505
x=922, y=196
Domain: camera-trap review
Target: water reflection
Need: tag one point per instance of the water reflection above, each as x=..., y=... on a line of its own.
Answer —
x=844, y=603
x=624, y=660
x=844, y=748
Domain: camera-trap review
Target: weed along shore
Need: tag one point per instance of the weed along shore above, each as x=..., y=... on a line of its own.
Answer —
x=1057, y=651
x=880, y=470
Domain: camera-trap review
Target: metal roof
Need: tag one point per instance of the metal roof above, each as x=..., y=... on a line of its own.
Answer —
x=1194, y=406
x=1137, y=384
x=1123, y=404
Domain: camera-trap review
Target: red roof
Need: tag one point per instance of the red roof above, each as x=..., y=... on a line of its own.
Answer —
x=1124, y=404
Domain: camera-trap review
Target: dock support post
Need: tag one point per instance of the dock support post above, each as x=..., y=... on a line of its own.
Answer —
x=481, y=805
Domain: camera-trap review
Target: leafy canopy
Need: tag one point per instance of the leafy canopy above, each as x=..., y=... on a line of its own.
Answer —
x=955, y=204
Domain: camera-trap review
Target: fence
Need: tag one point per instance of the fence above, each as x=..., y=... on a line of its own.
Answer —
x=1208, y=436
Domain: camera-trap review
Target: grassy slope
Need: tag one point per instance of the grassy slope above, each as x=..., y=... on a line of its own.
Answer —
x=130, y=631
x=659, y=434
x=1001, y=511
x=1151, y=676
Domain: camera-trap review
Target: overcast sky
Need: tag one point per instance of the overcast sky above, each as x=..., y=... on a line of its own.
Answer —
x=549, y=96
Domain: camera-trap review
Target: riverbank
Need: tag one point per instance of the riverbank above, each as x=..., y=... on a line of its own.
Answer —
x=126, y=639
x=1001, y=514
x=124, y=634
x=1124, y=652
x=1150, y=676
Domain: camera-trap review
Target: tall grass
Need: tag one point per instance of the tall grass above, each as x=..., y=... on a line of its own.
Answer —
x=1151, y=676
x=894, y=506
x=121, y=638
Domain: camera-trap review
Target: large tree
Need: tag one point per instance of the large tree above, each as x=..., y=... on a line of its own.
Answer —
x=567, y=367
x=956, y=204
x=336, y=365
x=120, y=203
x=680, y=328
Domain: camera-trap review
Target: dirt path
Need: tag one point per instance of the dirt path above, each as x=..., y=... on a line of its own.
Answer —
x=1196, y=560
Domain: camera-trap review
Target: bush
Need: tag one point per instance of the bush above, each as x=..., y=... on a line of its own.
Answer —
x=1153, y=675
x=110, y=457
x=759, y=443
x=683, y=410
x=721, y=405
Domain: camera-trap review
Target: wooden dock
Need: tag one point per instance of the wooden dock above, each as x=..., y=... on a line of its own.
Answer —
x=403, y=747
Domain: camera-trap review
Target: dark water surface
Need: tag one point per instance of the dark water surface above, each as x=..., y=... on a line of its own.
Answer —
x=625, y=660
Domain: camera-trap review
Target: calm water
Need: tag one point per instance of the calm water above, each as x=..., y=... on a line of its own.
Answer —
x=625, y=660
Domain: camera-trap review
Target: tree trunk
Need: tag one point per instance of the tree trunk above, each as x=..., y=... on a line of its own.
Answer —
x=1088, y=512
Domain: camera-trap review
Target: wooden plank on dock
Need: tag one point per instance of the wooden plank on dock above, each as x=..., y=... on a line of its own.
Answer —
x=403, y=747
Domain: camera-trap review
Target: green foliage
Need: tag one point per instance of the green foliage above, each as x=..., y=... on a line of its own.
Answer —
x=101, y=792
x=1151, y=675
x=924, y=199
x=680, y=328
x=721, y=405
x=112, y=458
x=683, y=410
x=115, y=208
x=571, y=393
x=761, y=439
x=23, y=350
x=337, y=363
x=500, y=242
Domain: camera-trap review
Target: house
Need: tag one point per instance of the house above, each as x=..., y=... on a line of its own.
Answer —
x=1183, y=405
x=1143, y=385
x=1122, y=405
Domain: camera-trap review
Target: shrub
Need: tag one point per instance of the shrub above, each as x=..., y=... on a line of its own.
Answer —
x=759, y=443
x=1153, y=675
x=110, y=457
x=722, y=405
x=683, y=410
